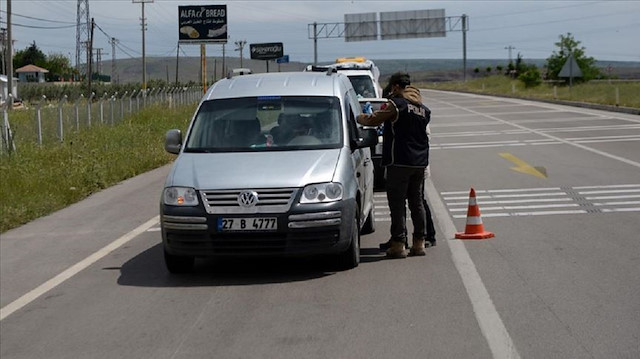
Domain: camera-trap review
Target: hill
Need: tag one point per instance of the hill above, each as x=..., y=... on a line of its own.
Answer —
x=188, y=68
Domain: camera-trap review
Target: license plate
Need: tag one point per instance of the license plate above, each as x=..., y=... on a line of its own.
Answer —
x=248, y=224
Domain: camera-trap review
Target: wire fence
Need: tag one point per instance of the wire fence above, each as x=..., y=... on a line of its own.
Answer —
x=53, y=120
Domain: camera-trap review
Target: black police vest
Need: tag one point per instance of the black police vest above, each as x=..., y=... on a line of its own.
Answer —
x=405, y=142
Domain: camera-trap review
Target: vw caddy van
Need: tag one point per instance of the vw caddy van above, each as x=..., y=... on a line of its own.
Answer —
x=271, y=164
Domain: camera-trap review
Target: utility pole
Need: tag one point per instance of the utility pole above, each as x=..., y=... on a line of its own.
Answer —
x=114, y=69
x=90, y=58
x=510, y=48
x=240, y=46
x=9, y=56
x=82, y=34
x=144, y=29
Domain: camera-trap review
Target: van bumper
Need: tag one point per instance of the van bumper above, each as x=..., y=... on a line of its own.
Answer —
x=308, y=229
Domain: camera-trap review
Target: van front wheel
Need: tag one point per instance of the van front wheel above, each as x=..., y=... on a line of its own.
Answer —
x=351, y=257
x=178, y=264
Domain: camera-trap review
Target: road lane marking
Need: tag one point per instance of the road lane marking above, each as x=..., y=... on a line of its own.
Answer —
x=547, y=201
x=522, y=166
x=542, y=134
x=74, y=269
x=489, y=320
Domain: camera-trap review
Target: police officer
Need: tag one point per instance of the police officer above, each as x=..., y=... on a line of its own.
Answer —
x=405, y=156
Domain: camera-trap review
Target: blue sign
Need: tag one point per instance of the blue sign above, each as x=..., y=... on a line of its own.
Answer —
x=283, y=60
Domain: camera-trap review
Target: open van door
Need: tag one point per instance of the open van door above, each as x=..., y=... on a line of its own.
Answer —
x=376, y=151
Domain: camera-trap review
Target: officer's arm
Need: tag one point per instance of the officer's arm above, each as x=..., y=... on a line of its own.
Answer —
x=387, y=111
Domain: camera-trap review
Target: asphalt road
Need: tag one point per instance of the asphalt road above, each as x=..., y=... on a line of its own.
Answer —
x=559, y=187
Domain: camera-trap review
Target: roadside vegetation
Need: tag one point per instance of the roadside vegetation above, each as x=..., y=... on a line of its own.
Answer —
x=36, y=181
x=523, y=80
x=603, y=93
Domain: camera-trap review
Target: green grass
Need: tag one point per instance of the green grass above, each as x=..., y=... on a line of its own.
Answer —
x=36, y=181
x=603, y=93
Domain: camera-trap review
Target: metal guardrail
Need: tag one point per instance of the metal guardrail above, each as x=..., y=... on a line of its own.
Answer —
x=54, y=119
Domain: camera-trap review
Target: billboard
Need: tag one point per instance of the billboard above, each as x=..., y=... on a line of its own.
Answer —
x=360, y=27
x=202, y=24
x=412, y=24
x=266, y=51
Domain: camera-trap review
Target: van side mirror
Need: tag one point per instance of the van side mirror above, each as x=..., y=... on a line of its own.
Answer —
x=367, y=137
x=173, y=141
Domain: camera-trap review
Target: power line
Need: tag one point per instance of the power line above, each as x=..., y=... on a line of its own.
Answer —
x=39, y=27
x=39, y=19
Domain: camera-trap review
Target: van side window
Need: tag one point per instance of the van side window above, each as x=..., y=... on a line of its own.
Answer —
x=353, y=127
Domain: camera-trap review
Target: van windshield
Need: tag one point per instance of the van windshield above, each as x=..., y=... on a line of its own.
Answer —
x=363, y=85
x=269, y=123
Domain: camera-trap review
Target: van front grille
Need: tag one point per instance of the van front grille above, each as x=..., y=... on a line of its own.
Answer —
x=269, y=201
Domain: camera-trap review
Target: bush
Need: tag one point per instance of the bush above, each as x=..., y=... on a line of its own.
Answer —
x=531, y=77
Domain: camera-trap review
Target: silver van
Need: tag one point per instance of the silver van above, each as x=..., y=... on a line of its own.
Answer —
x=272, y=164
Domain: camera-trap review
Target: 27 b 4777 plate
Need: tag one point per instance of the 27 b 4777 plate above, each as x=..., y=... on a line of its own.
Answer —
x=248, y=224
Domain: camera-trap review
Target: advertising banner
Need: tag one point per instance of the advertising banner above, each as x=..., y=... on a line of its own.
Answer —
x=202, y=24
x=266, y=51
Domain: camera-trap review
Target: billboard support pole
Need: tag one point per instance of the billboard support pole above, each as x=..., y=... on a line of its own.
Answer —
x=315, y=43
x=464, y=47
x=203, y=67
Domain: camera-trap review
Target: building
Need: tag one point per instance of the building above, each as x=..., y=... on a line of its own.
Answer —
x=31, y=73
x=4, y=87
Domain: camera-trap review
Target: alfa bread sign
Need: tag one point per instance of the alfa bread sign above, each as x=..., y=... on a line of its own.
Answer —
x=202, y=23
x=267, y=51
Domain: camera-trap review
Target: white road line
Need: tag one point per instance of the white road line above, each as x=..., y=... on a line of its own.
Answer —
x=610, y=191
x=609, y=186
x=486, y=314
x=74, y=269
x=525, y=214
x=502, y=208
x=542, y=134
x=536, y=200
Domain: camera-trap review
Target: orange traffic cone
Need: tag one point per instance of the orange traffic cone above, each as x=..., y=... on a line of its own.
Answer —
x=474, y=228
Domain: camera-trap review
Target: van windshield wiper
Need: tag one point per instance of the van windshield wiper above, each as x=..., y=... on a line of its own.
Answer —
x=198, y=150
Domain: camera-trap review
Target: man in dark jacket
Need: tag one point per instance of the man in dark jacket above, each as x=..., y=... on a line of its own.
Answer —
x=405, y=156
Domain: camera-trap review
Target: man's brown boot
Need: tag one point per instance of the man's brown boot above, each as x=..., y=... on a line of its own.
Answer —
x=396, y=250
x=418, y=248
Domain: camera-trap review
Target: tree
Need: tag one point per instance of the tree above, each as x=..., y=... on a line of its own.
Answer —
x=59, y=67
x=569, y=46
x=32, y=55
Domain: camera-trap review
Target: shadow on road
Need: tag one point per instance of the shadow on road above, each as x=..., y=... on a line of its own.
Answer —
x=147, y=269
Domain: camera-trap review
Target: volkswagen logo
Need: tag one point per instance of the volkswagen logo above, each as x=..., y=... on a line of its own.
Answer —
x=247, y=199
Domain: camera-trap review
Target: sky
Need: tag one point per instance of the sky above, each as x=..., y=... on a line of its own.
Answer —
x=609, y=30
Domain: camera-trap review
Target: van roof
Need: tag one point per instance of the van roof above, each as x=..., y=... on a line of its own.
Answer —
x=278, y=84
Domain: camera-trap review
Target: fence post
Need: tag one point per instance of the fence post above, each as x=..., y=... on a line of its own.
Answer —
x=76, y=107
x=122, y=105
x=138, y=100
x=89, y=105
x=39, y=119
x=131, y=101
x=7, y=135
x=102, y=107
x=60, y=120
x=111, y=101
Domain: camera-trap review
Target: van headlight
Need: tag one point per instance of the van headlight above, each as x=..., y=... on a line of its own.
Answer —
x=180, y=196
x=322, y=192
